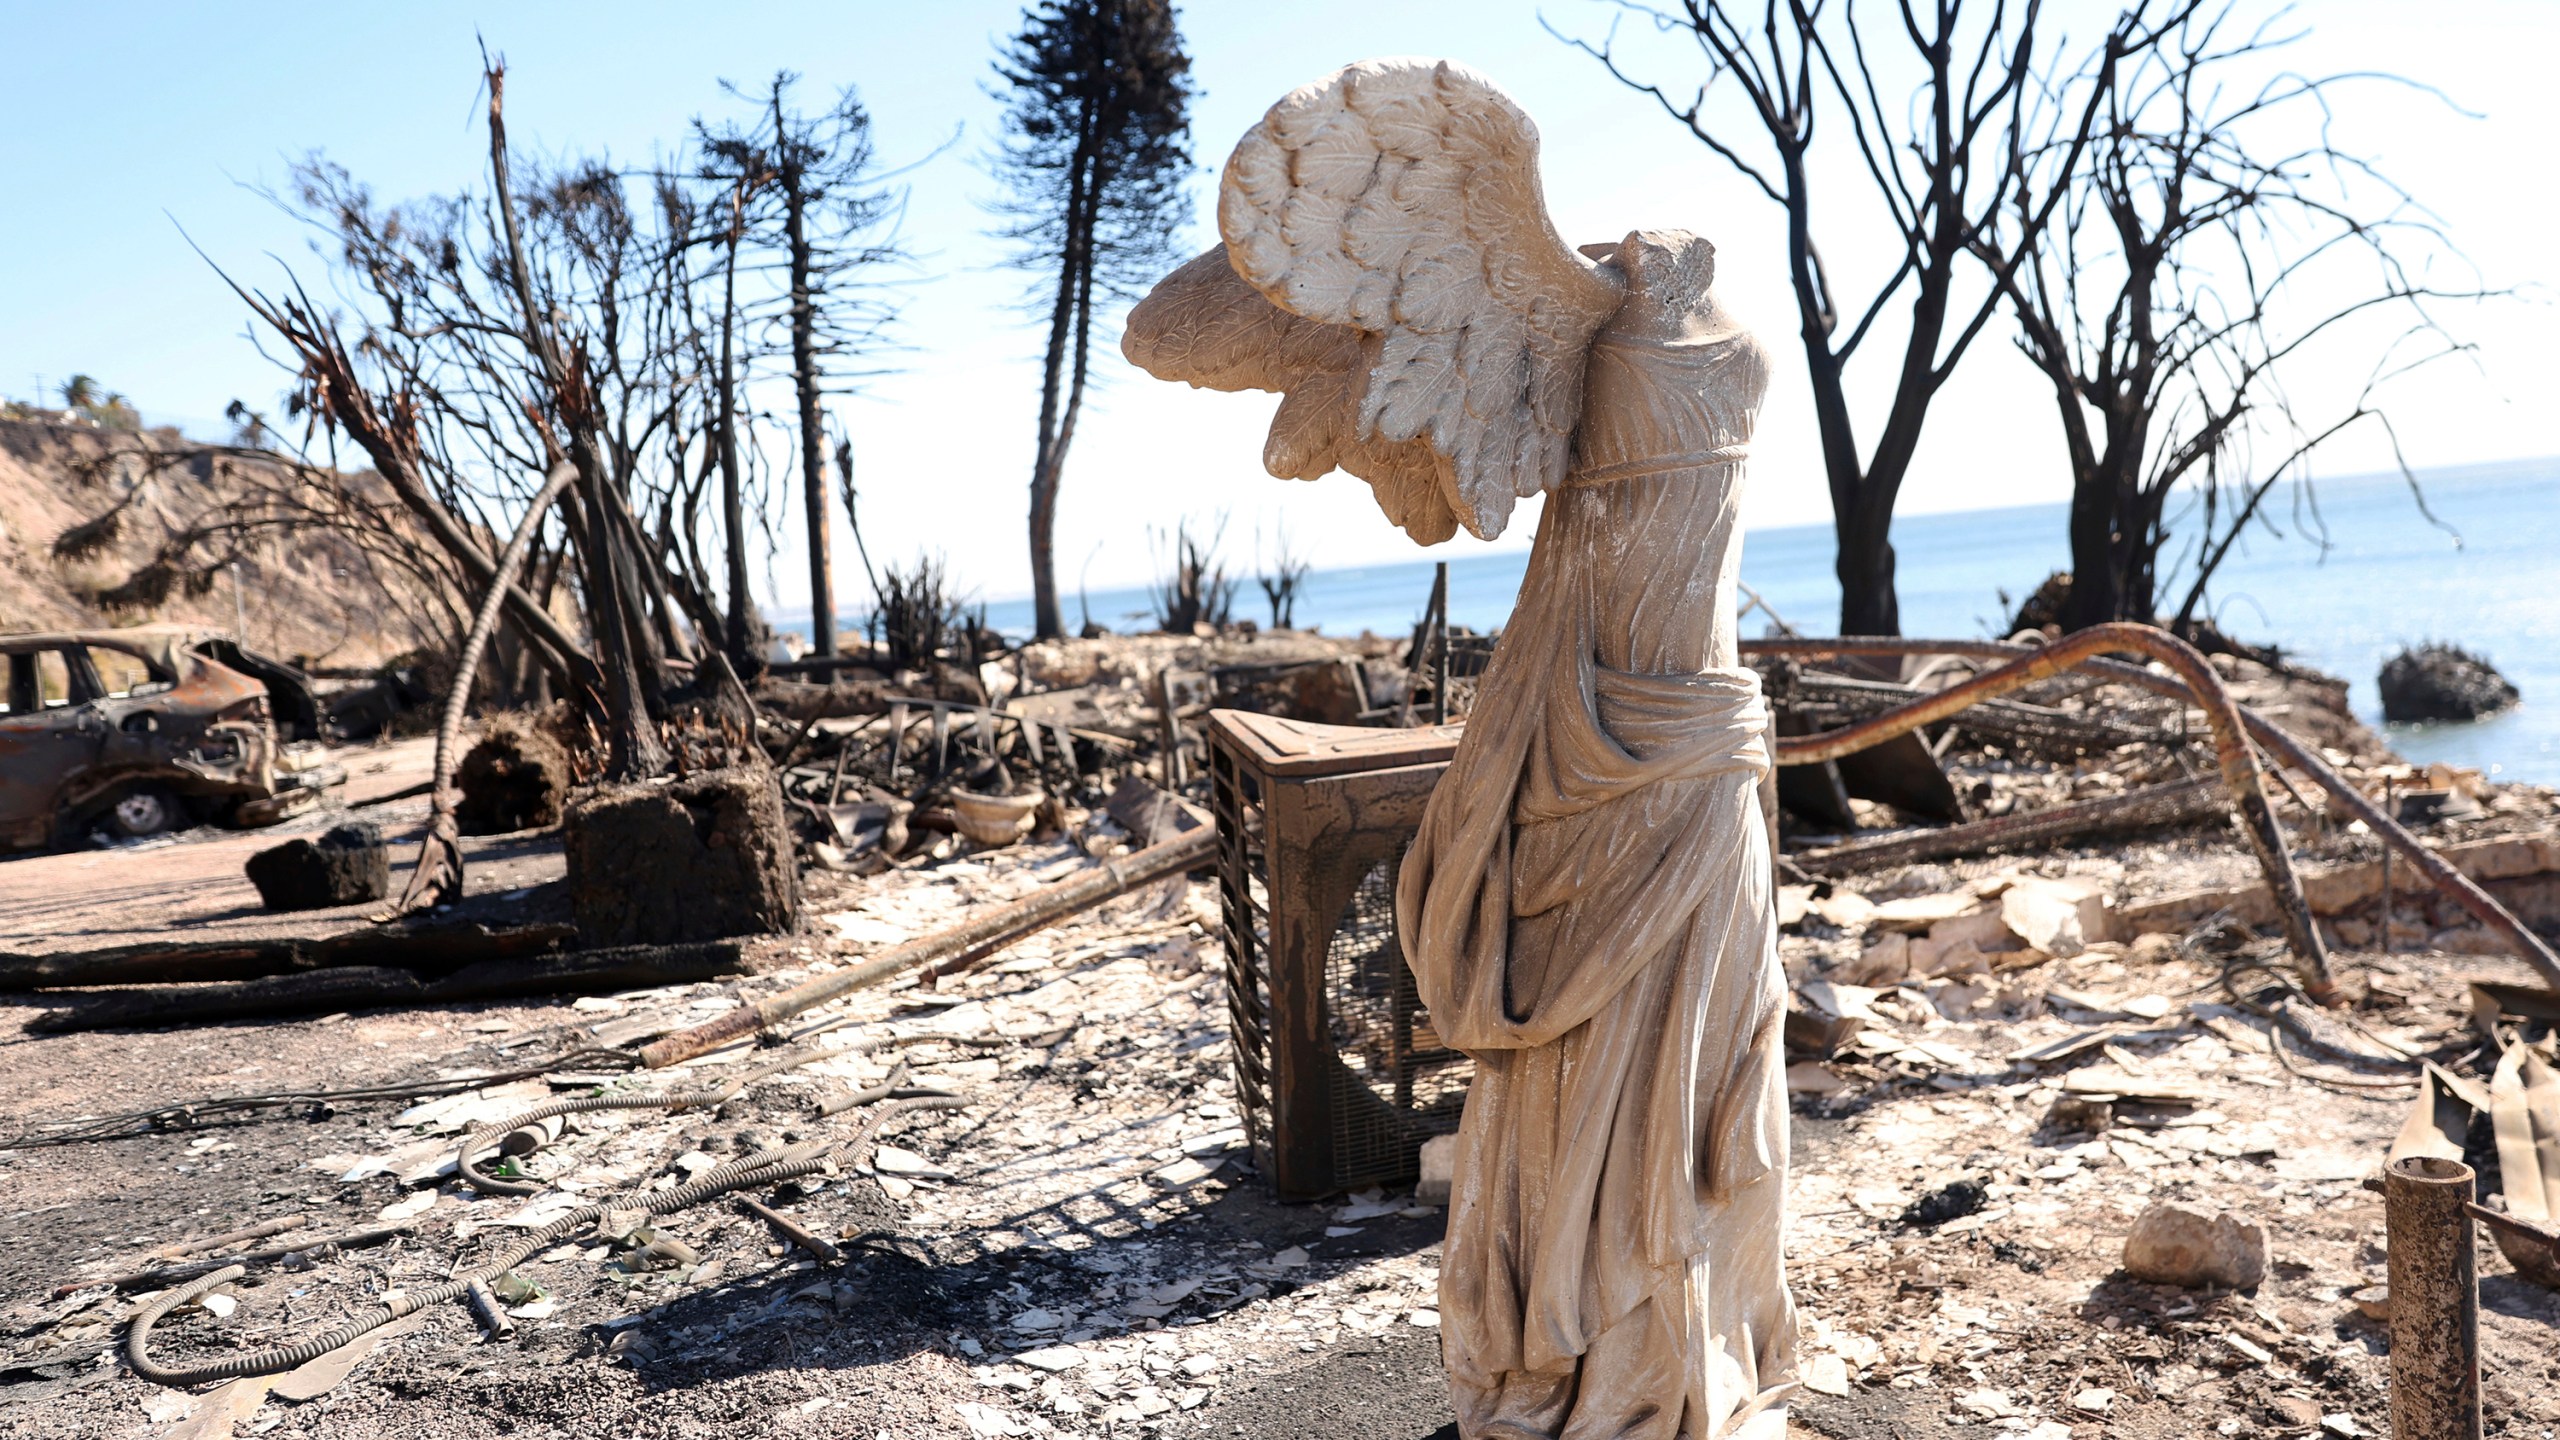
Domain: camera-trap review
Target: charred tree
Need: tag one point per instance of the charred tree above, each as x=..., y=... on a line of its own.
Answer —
x=1097, y=146
x=828, y=223
x=2159, y=303
x=1938, y=169
x=742, y=170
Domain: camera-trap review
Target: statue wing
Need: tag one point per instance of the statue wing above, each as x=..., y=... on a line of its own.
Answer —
x=1205, y=325
x=1390, y=268
x=1401, y=198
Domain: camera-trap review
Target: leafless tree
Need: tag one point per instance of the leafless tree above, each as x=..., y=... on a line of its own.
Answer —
x=1282, y=583
x=498, y=334
x=812, y=213
x=2214, y=238
x=1199, y=591
x=1939, y=180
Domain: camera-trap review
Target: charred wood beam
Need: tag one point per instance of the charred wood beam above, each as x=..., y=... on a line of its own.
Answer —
x=361, y=986
x=2171, y=804
x=420, y=948
x=993, y=925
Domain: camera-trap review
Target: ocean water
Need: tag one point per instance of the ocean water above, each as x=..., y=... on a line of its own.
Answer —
x=2487, y=578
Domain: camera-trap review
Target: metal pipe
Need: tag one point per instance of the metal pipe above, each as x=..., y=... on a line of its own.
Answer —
x=2288, y=752
x=824, y=1252
x=997, y=924
x=2239, y=763
x=2435, y=1300
x=492, y=1315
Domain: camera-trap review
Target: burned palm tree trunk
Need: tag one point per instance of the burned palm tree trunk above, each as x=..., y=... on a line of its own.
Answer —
x=635, y=748
x=438, y=876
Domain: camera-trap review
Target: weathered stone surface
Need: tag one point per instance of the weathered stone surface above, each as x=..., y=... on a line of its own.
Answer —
x=347, y=866
x=2059, y=917
x=2174, y=1244
x=699, y=857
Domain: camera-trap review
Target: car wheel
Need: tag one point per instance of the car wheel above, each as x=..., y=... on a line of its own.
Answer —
x=144, y=812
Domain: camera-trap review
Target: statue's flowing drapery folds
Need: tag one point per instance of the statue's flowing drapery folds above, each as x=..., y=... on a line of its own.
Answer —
x=1587, y=911
x=1587, y=907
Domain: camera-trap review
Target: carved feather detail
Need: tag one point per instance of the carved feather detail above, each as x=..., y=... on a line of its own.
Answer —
x=1414, y=300
x=1203, y=324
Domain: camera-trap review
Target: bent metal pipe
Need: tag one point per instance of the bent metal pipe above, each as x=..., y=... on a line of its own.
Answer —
x=2239, y=763
x=2288, y=751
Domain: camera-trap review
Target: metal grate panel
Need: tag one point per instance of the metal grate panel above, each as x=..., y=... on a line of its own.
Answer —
x=1339, y=1072
x=1409, y=1087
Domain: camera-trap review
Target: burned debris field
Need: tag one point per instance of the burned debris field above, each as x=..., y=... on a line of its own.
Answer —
x=1038, y=1206
x=720, y=803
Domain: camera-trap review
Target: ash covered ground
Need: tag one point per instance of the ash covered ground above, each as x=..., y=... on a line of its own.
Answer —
x=1083, y=1246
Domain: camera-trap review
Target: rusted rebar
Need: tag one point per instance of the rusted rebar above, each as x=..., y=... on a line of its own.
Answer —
x=2238, y=762
x=2435, y=1300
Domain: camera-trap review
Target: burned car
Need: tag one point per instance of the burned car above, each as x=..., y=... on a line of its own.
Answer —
x=135, y=732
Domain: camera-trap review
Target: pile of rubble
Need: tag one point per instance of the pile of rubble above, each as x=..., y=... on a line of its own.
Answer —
x=879, y=767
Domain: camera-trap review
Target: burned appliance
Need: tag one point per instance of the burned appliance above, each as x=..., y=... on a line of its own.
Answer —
x=1339, y=1072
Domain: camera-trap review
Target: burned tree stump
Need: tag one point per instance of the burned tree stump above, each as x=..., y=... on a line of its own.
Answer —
x=2442, y=682
x=513, y=779
x=347, y=866
x=700, y=857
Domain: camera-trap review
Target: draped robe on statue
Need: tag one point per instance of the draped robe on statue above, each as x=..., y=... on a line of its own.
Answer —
x=1588, y=913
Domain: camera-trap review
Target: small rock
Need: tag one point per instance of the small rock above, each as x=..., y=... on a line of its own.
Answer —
x=2174, y=1244
x=1828, y=1374
x=1052, y=1358
x=2298, y=1412
x=2093, y=1402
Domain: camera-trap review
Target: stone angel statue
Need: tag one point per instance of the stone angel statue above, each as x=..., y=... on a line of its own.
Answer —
x=1587, y=908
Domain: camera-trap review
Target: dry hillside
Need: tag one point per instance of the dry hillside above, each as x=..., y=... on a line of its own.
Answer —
x=316, y=597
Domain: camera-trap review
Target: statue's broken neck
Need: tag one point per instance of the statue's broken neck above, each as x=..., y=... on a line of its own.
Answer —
x=1669, y=278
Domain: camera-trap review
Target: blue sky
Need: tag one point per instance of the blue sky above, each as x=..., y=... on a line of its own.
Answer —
x=119, y=122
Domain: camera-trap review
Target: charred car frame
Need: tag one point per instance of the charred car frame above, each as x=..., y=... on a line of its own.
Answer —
x=135, y=732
